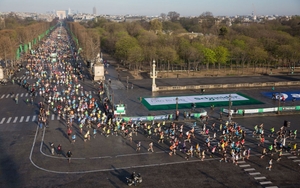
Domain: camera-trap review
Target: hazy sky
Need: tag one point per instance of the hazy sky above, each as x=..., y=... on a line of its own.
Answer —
x=156, y=7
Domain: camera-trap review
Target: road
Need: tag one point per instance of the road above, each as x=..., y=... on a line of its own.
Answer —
x=26, y=161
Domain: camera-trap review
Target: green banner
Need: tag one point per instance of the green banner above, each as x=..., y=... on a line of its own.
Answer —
x=260, y=110
x=126, y=119
x=25, y=48
x=150, y=118
x=18, y=54
x=21, y=48
x=197, y=115
x=240, y=112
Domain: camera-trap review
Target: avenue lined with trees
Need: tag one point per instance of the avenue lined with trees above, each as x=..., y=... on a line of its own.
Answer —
x=18, y=36
x=178, y=43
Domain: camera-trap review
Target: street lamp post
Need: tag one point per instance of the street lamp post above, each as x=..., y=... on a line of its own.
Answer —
x=176, y=104
x=229, y=107
x=177, y=112
x=279, y=98
x=153, y=76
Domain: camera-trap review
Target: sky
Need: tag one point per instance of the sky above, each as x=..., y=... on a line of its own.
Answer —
x=156, y=7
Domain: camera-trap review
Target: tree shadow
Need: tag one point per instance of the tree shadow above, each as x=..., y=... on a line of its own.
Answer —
x=211, y=177
x=10, y=176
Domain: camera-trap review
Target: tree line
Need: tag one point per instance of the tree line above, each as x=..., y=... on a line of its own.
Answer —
x=16, y=34
x=195, y=43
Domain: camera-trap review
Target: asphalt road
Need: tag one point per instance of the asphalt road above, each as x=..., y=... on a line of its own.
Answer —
x=105, y=162
x=26, y=161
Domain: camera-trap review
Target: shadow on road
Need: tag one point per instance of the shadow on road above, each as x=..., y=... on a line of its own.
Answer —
x=121, y=174
x=9, y=176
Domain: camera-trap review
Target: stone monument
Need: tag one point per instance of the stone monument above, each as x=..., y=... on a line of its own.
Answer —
x=98, y=69
x=1, y=73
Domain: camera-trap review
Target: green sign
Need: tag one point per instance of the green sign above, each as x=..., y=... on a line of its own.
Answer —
x=120, y=109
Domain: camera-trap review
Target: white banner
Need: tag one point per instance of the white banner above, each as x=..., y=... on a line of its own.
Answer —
x=194, y=99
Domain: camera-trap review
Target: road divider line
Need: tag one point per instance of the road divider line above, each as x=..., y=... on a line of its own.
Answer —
x=27, y=119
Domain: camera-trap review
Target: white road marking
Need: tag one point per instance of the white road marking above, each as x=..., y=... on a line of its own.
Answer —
x=249, y=169
x=33, y=118
x=292, y=157
x=27, y=119
x=21, y=94
x=254, y=173
x=3, y=119
x=296, y=161
x=241, y=162
x=259, y=178
x=26, y=94
x=21, y=119
x=265, y=182
x=2, y=96
x=246, y=165
x=286, y=154
x=17, y=94
x=58, y=117
x=15, y=120
x=8, y=119
x=7, y=95
x=52, y=117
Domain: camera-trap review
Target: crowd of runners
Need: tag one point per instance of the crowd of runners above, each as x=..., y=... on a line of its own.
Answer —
x=58, y=76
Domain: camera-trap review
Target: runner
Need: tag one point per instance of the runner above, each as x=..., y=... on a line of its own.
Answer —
x=69, y=155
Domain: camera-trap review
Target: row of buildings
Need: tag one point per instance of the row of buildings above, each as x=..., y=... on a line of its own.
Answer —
x=82, y=17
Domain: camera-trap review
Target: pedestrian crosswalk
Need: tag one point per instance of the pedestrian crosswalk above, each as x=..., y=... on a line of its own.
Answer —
x=25, y=94
x=262, y=180
x=26, y=119
x=12, y=95
x=294, y=157
x=27, y=77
